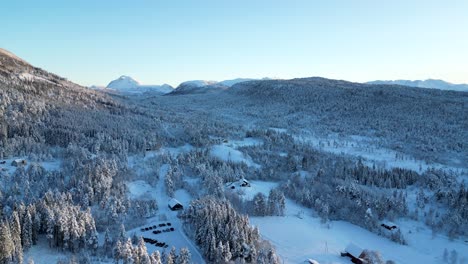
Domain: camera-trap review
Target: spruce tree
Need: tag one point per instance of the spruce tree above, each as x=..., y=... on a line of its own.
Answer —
x=7, y=247
x=184, y=256
x=26, y=231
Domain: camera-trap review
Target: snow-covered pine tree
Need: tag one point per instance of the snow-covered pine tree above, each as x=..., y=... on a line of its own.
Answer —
x=26, y=231
x=142, y=252
x=107, y=245
x=127, y=252
x=15, y=228
x=184, y=256
x=7, y=248
x=173, y=255
x=156, y=257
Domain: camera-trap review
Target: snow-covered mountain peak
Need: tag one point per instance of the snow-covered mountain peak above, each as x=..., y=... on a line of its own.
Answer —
x=126, y=84
x=123, y=82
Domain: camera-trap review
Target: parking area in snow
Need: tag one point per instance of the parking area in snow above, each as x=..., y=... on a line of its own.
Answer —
x=166, y=238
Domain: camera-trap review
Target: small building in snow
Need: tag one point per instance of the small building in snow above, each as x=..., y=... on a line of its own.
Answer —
x=389, y=226
x=240, y=183
x=18, y=162
x=244, y=183
x=355, y=253
x=175, y=205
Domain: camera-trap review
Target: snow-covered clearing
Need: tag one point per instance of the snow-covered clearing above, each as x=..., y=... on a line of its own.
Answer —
x=42, y=253
x=299, y=236
x=173, y=151
x=255, y=187
x=50, y=165
x=228, y=151
x=176, y=238
x=279, y=130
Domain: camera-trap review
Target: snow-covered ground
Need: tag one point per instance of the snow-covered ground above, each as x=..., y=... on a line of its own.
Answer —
x=42, y=253
x=137, y=159
x=299, y=235
x=50, y=165
x=228, y=151
x=255, y=187
x=365, y=148
x=177, y=238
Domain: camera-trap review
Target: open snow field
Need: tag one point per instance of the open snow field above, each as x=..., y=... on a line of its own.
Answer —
x=248, y=193
x=228, y=151
x=299, y=236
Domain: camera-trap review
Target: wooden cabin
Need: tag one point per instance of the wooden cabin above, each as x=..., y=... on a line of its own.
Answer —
x=175, y=205
x=18, y=162
x=355, y=253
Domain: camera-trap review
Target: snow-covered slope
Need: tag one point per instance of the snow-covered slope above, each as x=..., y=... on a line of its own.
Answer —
x=235, y=81
x=429, y=83
x=4, y=52
x=198, y=87
x=127, y=84
x=198, y=83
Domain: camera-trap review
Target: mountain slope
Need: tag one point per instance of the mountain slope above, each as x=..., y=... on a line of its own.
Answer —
x=429, y=83
x=40, y=108
x=432, y=120
x=198, y=87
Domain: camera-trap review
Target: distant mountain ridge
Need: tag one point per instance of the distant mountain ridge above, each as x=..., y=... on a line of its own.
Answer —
x=429, y=83
x=203, y=86
x=126, y=84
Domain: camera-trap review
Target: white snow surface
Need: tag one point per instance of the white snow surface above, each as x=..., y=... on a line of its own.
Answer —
x=228, y=152
x=176, y=238
x=123, y=82
x=42, y=253
x=299, y=236
x=50, y=165
x=198, y=83
x=248, y=193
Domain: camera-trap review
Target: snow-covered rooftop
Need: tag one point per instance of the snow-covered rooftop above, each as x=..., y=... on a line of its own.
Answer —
x=354, y=250
x=173, y=202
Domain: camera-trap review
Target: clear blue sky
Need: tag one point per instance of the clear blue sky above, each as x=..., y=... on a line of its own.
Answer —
x=95, y=41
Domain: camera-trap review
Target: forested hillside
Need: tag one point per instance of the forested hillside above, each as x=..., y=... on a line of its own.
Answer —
x=90, y=177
